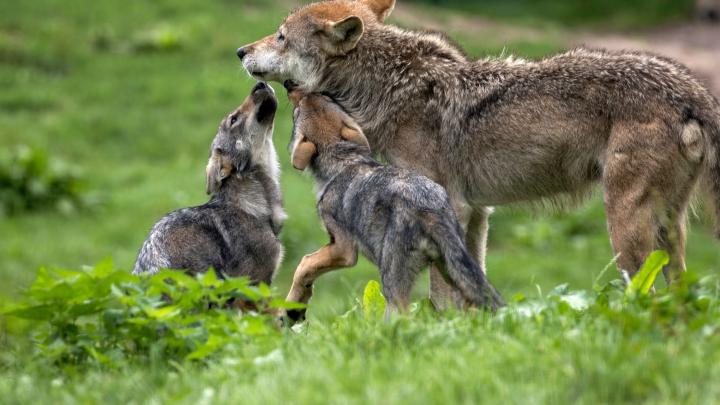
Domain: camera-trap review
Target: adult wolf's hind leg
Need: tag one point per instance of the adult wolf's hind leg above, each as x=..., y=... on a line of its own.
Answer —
x=671, y=217
x=670, y=236
x=648, y=181
x=630, y=193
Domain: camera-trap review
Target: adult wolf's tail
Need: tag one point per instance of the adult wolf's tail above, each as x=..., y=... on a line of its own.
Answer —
x=460, y=268
x=713, y=135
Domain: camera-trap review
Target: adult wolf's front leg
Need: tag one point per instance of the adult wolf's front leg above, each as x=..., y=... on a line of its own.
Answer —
x=476, y=235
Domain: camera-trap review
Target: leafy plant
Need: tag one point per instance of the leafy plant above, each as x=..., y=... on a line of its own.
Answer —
x=107, y=316
x=373, y=301
x=643, y=281
x=29, y=180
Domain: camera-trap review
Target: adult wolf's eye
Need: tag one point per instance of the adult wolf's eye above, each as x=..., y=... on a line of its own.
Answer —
x=280, y=37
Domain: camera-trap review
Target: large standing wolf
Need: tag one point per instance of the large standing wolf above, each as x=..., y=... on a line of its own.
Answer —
x=499, y=131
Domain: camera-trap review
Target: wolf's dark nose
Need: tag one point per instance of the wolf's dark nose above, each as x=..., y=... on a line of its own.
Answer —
x=259, y=86
x=241, y=52
x=289, y=85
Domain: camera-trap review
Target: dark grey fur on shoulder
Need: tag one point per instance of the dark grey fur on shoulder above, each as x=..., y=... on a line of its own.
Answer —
x=236, y=232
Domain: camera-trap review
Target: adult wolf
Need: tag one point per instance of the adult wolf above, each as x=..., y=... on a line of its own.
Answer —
x=499, y=131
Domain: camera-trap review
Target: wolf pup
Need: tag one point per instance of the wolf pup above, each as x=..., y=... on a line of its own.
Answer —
x=400, y=220
x=236, y=232
x=499, y=131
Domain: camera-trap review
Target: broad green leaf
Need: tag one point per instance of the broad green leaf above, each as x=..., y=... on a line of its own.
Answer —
x=213, y=343
x=645, y=278
x=264, y=290
x=577, y=300
x=373, y=301
x=209, y=278
x=99, y=357
x=162, y=313
x=282, y=304
x=36, y=312
x=87, y=307
x=102, y=269
x=43, y=281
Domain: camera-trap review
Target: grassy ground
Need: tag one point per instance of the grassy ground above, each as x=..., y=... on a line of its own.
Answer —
x=131, y=93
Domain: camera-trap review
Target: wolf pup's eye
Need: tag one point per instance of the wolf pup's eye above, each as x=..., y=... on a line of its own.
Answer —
x=233, y=120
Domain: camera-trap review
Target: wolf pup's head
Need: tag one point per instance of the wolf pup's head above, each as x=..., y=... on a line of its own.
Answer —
x=319, y=123
x=309, y=37
x=241, y=136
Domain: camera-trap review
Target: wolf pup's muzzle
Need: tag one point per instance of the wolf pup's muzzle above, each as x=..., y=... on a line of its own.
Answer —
x=264, y=98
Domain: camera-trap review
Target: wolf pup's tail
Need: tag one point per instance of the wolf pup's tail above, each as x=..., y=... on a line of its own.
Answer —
x=460, y=268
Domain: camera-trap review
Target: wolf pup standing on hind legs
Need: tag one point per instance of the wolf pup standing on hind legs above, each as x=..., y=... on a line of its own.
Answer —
x=400, y=220
x=500, y=131
x=236, y=231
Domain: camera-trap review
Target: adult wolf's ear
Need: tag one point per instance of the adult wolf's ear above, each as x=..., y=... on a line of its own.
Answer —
x=303, y=153
x=343, y=36
x=381, y=8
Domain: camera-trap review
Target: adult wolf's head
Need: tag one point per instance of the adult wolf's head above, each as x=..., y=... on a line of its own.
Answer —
x=309, y=37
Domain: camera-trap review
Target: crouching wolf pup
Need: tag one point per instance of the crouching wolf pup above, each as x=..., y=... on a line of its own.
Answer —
x=501, y=131
x=400, y=220
x=236, y=232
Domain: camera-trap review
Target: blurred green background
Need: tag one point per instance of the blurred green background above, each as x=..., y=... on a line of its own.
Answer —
x=123, y=99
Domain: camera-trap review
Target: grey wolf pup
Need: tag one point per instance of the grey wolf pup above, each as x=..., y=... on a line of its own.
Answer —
x=236, y=232
x=400, y=220
x=501, y=131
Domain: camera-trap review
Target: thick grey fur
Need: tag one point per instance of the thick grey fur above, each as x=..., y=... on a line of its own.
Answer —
x=236, y=232
x=400, y=220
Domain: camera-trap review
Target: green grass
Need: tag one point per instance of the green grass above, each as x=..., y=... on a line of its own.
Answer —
x=79, y=80
x=565, y=348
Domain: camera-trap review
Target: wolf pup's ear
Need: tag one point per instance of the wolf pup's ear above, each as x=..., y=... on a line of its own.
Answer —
x=355, y=136
x=222, y=165
x=381, y=8
x=215, y=172
x=294, y=92
x=303, y=153
x=343, y=36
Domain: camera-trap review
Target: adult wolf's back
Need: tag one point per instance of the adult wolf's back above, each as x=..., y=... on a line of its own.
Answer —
x=497, y=131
